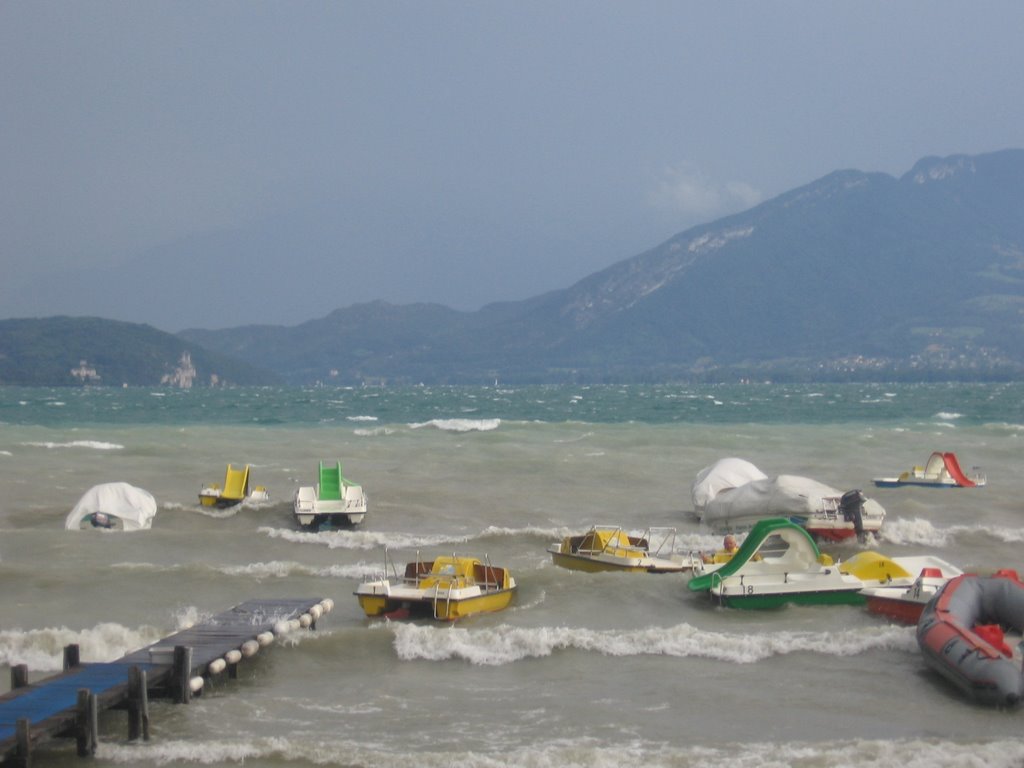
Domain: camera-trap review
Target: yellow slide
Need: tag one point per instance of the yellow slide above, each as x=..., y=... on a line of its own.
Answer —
x=236, y=484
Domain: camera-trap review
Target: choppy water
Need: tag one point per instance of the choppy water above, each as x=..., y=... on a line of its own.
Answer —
x=584, y=669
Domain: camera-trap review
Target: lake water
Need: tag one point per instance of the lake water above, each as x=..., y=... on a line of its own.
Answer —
x=583, y=669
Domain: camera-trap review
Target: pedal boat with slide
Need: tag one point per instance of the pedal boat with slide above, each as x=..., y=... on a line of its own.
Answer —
x=942, y=470
x=445, y=589
x=610, y=548
x=779, y=563
x=234, y=491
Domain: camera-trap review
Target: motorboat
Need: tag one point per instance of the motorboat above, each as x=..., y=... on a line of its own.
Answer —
x=334, y=500
x=446, y=589
x=732, y=495
x=234, y=490
x=942, y=470
x=904, y=604
x=113, y=506
x=610, y=548
x=969, y=633
x=780, y=563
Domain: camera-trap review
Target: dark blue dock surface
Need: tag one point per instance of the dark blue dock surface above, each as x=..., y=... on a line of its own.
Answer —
x=50, y=705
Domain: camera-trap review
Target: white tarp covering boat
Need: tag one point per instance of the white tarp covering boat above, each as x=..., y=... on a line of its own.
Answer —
x=734, y=494
x=723, y=475
x=113, y=505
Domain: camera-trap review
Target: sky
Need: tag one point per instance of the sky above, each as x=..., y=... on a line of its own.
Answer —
x=210, y=164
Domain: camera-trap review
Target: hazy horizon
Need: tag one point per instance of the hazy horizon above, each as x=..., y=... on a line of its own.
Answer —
x=190, y=164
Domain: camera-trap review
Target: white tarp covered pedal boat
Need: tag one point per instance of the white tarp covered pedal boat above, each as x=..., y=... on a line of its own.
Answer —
x=115, y=506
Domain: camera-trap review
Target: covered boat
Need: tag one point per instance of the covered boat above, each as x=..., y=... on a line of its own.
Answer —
x=732, y=494
x=609, y=548
x=117, y=506
x=446, y=589
x=234, y=491
x=335, y=500
x=942, y=470
x=962, y=635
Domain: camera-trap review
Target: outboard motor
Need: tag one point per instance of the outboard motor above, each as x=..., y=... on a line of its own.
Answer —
x=852, y=506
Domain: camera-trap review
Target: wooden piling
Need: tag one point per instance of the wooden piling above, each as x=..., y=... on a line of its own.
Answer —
x=87, y=724
x=71, y=656
x=23, y=750
x=138, y=705
x=19, y=676
x=181, y=675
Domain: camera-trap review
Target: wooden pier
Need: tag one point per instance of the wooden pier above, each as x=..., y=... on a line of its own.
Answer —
x=176, y=667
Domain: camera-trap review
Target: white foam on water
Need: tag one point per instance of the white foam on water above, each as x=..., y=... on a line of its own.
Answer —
x=43, y=649
x=97, y=445
x=581, y=752
x=508, y=644
x=362, y=539
x=920, y=531
x=460, y=425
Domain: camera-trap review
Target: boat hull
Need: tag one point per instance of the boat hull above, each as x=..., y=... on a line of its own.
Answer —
x=902, y=610
x=593, y=565
x=768, y=600
x=219, y=502
x=431, y=607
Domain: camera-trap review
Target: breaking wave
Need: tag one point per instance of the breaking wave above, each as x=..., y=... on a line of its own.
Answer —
x=460, y=425
x=920, y=531
x=43, y=649
x=507, y=644
x=579, y=752
x=363, y=539
x=97, y=445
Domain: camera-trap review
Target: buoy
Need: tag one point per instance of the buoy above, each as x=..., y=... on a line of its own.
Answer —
x=249, y=648
x=316, y=611
x=195, y=684
x=217, y=666
x=233, y=656
x=327, y=604
x=265, y=639
x=305, y=621
x=293, y=624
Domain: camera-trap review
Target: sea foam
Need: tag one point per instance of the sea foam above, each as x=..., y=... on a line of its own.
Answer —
x=507, y=644
x=362, y=539
x=460, y=425
x=582, y=751
x=97, y=445
x=43, y=649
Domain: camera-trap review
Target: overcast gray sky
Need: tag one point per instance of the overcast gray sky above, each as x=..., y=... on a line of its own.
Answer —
x=211, y=164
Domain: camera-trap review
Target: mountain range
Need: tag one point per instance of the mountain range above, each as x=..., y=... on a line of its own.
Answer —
x=854, y=276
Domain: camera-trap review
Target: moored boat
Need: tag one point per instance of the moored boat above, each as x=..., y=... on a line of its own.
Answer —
x=963, y=635
x=942, y=470
x=610, y=548
x=905, y=603
x=780, y=563
x=732, y=495
x=447, y=588
x=334, y=500
x=777, y=564
x=234, y=490
x=113, y=506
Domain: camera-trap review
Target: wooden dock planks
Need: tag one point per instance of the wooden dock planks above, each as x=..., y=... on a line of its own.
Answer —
x=52, y=707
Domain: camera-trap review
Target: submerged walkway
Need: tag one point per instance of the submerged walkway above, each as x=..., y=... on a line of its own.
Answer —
x=176, y=666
